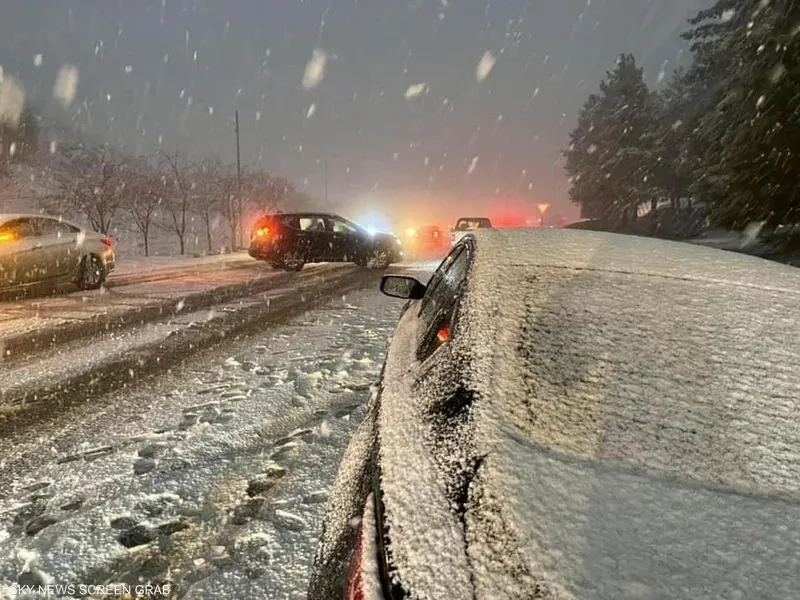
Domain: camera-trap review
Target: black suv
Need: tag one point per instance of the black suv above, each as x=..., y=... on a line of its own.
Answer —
x=290, y=240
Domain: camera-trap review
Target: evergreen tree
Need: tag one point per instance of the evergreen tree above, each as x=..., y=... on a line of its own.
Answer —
x=611, y=154
x=751, y=135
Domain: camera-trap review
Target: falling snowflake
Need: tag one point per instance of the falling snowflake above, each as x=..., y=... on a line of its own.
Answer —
x=727, y=15
x=662, y=73
x=485, y=65
x=129, y=69
x=760, y=101
x=592, y=149
x=12, y=99
x=66, y=85
x=415, y=90
x=37, y=60
x=777, y=73
x=315, y=69
x=472, y=165
x=53, y=147
x=210, y=110
x=12, y=149
x=311, y=110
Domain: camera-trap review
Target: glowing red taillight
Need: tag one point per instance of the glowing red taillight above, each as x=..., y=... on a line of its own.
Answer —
x=355, y=579
x=261, y=232
x=108, y=242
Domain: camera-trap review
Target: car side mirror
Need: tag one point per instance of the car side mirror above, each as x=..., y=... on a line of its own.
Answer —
x=401, y=286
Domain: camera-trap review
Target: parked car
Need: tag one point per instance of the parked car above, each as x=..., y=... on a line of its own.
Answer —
x=466, y=224
x=290, y=240
x=37, y=249
x=572, y=414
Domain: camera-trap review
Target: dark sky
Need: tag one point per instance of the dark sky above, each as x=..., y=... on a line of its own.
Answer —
x=170, y=73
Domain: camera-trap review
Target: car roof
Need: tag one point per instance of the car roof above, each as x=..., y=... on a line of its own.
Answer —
x=304, y=214
x=5, y=217
x=601, y=251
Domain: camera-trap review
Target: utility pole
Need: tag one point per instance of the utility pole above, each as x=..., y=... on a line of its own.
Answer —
x=326, y=181
x=238, y=184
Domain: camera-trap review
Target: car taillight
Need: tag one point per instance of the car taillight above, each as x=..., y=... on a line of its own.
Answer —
x=261, y=232
x=108, y=242
x=443, y=335
x=6, y=237
x=355, y=578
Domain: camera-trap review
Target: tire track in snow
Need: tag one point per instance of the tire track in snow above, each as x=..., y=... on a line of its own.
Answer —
x=190, y=455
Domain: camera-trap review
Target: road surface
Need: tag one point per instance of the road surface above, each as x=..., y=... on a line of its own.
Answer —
x=211, y=477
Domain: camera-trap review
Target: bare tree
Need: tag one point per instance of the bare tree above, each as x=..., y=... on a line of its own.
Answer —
x=88, y=180
x=267, y=192
x=215, y=188
x=178, y=175
x=143, y=194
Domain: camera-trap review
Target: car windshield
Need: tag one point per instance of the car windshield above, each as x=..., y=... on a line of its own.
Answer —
x=199, y=200
x=469, y=224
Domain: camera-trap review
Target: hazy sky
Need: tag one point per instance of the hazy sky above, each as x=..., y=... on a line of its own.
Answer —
x=170, y=73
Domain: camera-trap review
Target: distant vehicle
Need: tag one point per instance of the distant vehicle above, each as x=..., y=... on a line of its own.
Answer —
x=520, y=422
x=425, y=241
x=37, y=249
x=288, y=241
x=465, y=225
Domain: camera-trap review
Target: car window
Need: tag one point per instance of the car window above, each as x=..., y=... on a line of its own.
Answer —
x=312, y=224
x=342, y=226
x=19, y=229
x=440, y=304
x=470, y=224
x=55, y=228
x=437, y=276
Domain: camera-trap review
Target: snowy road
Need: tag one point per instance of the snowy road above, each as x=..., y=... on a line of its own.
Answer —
x=212, y=477
x=135, y=289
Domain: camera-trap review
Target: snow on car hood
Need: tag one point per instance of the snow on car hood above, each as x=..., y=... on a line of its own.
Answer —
x=586, y=529
x=636, y=423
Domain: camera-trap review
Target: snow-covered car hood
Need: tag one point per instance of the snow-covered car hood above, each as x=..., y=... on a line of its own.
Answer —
x=632, y=414
x=585, y=529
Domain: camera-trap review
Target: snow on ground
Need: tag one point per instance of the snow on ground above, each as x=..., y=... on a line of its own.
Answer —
x=216, y=475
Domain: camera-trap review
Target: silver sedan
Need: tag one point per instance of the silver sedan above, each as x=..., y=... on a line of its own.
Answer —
x=37, y=249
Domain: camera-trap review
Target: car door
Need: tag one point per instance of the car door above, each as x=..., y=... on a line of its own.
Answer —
x=59, y=248
x=314, y=238
x=19, y=251
x=347, y=241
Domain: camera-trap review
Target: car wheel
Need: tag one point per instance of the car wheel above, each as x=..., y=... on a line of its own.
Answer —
x=293, y=261
x=92, y=273
x=379, y=259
